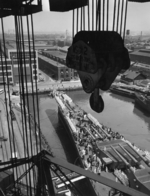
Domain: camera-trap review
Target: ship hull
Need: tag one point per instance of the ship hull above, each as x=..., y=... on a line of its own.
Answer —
x=68, y=130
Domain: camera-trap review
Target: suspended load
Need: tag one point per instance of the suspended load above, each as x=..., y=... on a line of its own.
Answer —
x=98, y=56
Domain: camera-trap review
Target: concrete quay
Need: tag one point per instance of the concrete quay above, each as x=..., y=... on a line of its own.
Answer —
x=49, y=86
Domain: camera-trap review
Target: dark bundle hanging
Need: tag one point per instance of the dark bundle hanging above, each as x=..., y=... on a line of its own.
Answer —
x=98, y=52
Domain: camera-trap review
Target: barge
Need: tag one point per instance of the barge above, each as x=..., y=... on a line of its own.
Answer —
x=103, y=151
x=123, y=92
x=143, y=101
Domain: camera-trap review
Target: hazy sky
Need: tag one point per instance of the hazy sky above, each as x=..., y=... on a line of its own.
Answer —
x=138, y=19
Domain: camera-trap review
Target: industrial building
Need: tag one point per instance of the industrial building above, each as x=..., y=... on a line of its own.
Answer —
x=10, y=61
x=141, y=56
x=131, y=77
x=53, y=63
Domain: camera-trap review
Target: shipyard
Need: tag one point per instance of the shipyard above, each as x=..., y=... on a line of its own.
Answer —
x=74, y=98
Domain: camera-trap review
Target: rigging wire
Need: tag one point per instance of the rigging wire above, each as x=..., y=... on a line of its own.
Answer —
x=107, y=14
x=99, y=7
x=7, y=99
x=118, y=15
x=121, y=17
x=26, y=99
x=81, y=20
x=88, y=13
x=37, y=101
x=21, y=87
x=103, y=15
x=73, y=13
x=125, y=18
x=114, y=16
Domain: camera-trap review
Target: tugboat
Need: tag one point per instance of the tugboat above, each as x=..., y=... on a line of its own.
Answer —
x=103, y=151
x=143, y=101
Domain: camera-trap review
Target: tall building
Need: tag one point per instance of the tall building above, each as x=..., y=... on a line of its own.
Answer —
x=10, y=63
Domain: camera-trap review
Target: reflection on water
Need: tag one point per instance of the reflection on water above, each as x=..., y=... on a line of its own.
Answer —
x=62, y=134
x=119, y=97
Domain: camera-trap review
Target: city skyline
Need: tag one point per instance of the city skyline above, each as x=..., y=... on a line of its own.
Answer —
x=47, y=21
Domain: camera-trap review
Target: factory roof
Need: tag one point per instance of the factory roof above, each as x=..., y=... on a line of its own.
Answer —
x=56, y=53
x=42, y=46
x=55, y=63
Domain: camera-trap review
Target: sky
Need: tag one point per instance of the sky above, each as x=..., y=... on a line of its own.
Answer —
x=138, y=19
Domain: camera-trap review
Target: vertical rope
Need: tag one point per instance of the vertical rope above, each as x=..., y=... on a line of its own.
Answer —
x=121, y=17
x=27, y=120
x=125, y=19
x=92, y=15
x=99, y=7
x=77, y=20
x=84, y=18
x=107, y=14
x=9, y=106
x=73, y=24
x=36, y=93
x=114, y=15
x=81, y=20
x=9, y=109
x=38, y=117
x=96, y=21
x=103, y=15
x=5, y=97
x=31, y=54
x=118, y=15
x=18, y=43
x=88, y=13
x=21, y=82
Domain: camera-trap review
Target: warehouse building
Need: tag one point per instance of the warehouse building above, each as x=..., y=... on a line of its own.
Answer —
x=141, y=56
x=131, y=77
x=53, y=62
x=11, y=64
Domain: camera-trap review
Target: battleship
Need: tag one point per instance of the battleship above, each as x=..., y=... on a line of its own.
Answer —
x=103, y=151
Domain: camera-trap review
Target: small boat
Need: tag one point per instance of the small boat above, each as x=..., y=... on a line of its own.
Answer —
x=103, y=151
